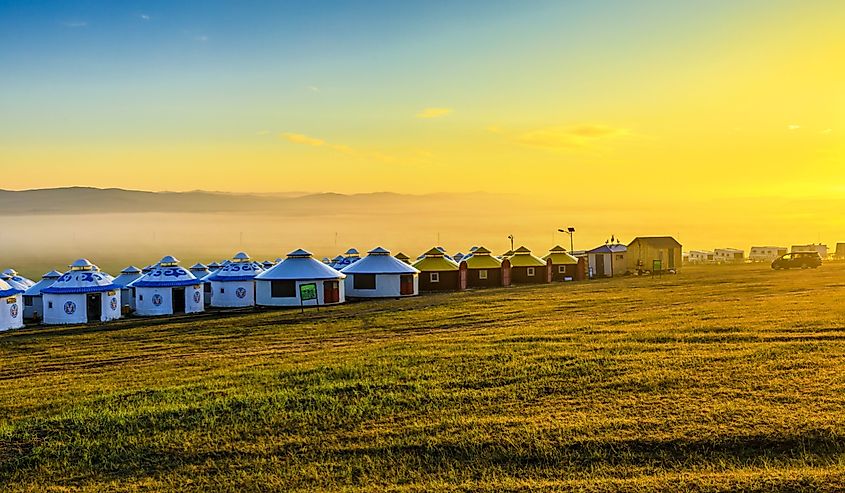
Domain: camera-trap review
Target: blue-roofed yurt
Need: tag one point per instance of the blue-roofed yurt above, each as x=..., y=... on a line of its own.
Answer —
x=233, y=285
x=33, y=301
x=283, y=284
x=81, y=295
x=14, y=279
x=11, y=310
x=167, y=290
x=124, y=283
x=380, y=275
x=350, y=257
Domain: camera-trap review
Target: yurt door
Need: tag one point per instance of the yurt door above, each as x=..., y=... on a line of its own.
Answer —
x=406, y=284
x=506, y=273
x=178, y=300
x=331, y=292
x=95, y=307
x=600, y=265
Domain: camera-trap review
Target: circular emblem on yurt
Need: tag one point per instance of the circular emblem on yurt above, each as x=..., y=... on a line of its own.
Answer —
x=70, y=308
x=13, y=310
x=240, y=293
x=197, y=297
x=113, y=304
x=157, y=300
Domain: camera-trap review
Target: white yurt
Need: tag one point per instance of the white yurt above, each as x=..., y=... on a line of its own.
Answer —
x=233, y=285
x=283, y=284
x=201, y=271
x=81, y=295
x=33, y=302
x=380, y=275
x=124, y=283
x=11, y=310
x=167, y=290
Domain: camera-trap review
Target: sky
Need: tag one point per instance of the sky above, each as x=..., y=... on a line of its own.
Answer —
x=650, y=102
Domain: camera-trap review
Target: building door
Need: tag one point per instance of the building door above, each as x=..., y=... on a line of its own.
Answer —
x=178, y=300
x=331, y=291
x=599, y=265
x=462, y=276
x=94, y=307
x=506, y=273
x=671, y=258
x=406, y=284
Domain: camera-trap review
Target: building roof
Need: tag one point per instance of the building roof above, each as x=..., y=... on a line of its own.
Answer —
x=560, y=256
x=12, y=277
x=657, y=241
x=127, y=276
x=300, y=265
x=404, y=258
x=47, y=280
x=7, y=290
x=240, y=269
x=522, y=257
x=81, y=278
x=167, y=274
x=481, y=258
x=617, y=248
x=435, y=260
x=379, y=261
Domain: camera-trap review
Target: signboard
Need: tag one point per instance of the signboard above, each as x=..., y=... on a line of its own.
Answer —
x=11, y=300
x=657, y=266
x=308, y=292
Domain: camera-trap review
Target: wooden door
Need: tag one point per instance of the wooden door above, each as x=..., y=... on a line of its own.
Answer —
x=599, y=265
x=506, y=273
x=406, y=284
x=331, y=292
x=462, y=276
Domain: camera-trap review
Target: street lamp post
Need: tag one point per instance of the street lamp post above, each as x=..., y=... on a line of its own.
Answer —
x=570, y=231
x=510, y=237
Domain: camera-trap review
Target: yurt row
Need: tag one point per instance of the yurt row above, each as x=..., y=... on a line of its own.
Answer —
x=86, y=294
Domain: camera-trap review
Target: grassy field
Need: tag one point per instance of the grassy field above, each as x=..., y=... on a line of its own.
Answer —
x=715, y=379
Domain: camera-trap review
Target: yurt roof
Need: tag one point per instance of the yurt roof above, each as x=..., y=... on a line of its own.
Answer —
x=300, y=265
x=8, y=290
x=199, y=266
x=267, y=264
x=557, y=248
x=167, y=274
x=561, y=258
x=235, y=271
x=15, y=282
x=241, y=256
x=401, y=256
x=127, y=276
x=81, y=278
x=17, y=278
x=46, y=280
x=481, y=259
x=214, y=265
x=522, y=258
x=352, y=252
x=435, y=260
x=379, y=261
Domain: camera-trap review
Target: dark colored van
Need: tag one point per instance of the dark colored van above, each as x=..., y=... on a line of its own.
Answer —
x=795, y=260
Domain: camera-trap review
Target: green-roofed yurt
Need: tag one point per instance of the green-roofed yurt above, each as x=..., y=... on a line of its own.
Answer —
x=564, y=265
x=483, y=269
x=529, y=269
x=438, y=272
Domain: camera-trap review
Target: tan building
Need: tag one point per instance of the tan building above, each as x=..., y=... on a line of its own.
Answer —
x=654, y=254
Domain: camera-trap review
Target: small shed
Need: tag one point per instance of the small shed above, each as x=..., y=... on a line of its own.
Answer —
x=529, y=269
x=483, y=269
x=300, y=273
x=608, y=260
x=11, y=310
x=168, y=290
x=564, y=265
x=233, y=285
x=438, y=272
x=379, y=275
x=33, y=301
x=655, y=254
x=81, y=295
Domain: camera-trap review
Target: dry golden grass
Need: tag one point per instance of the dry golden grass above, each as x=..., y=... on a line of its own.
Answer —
x=715, y=379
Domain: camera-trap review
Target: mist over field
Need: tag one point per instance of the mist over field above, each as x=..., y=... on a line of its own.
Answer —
x=47, y=229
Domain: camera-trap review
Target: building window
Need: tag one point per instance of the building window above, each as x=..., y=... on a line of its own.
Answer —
x=364, y=281
x=140, y=297
x=283, y=289
x=435, y=277
x=530, y=272
x=27, y=301
x=50, y=304
x=620, y=257
x=561, y=269
x=482, y=274
x=222, y=290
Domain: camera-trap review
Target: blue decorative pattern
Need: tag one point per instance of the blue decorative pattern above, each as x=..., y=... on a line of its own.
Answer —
x=70, y=308
x=240, y=293
x=235, y=271
x=13, y=310
x=164, y=277
x=197, y=297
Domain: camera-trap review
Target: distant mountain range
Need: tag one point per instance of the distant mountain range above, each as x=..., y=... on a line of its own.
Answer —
x=87, y=200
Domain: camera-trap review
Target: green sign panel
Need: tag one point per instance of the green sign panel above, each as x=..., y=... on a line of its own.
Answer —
x=657, y=266
x=307, y=292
